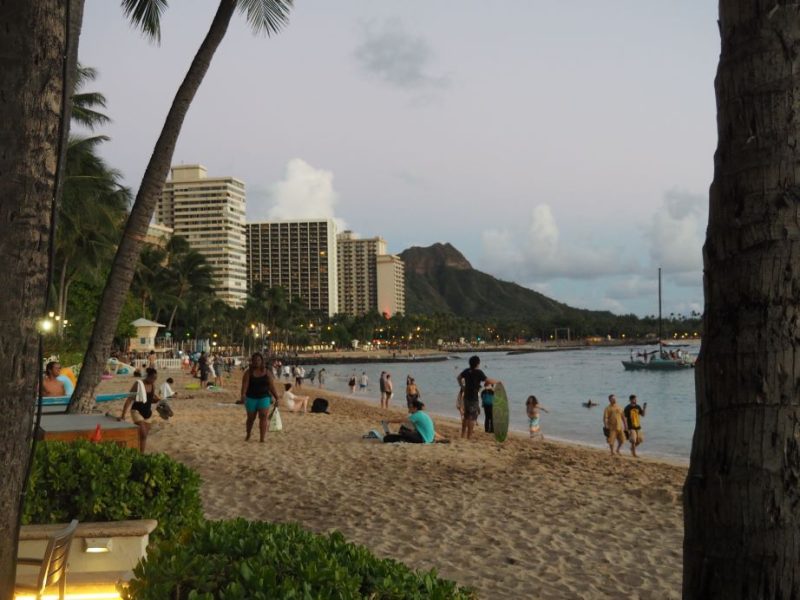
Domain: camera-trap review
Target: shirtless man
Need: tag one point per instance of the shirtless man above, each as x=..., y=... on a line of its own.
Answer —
x=51, y=386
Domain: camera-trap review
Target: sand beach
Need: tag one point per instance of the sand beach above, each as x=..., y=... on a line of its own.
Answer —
x=518, y=520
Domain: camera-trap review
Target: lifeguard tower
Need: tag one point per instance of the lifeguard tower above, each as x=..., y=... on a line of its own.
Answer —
x=145, y=339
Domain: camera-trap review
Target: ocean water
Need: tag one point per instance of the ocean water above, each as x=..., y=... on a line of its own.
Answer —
x=561, y=381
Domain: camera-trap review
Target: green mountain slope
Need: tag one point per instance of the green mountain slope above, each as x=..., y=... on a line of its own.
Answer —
x=440, y=280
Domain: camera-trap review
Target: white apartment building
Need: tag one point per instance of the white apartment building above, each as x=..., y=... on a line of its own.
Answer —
x=210, y=213
x=391, y=284
x=299, y=256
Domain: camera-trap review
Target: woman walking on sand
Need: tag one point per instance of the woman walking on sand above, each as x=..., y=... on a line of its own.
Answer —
x=258, y=393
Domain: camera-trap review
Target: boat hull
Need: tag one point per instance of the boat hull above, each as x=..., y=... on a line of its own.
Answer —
x=656, y=365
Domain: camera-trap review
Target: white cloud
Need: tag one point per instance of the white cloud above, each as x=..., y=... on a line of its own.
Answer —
x=304, y=193
x=392, y=55
x=677, y=232
x=535, y=252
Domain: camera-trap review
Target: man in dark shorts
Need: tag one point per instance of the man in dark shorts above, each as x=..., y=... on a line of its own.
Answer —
x=202, y=364
x=470, y=381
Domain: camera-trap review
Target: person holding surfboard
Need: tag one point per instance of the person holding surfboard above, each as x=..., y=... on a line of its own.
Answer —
x=470, y=380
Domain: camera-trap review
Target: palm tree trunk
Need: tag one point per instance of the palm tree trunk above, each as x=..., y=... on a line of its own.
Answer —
x=35, y=80
x=62, y=303
x=741, y=495
x=127, y=256
x=172, y=318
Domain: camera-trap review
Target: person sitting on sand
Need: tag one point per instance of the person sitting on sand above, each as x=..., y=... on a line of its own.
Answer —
x=421, y=432
x=533, y=407
x=51, y=385
x=141, y=399
x=294, y=403
x=258, y=391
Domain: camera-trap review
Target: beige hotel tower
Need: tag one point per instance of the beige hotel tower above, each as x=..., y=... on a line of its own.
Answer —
x=210, y=213
x=299, y=256
x=369, y=279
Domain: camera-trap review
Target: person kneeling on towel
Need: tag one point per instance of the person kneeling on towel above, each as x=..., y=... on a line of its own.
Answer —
x=422, y=430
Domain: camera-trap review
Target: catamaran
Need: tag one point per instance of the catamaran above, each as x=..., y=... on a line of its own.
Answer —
x=661, y=359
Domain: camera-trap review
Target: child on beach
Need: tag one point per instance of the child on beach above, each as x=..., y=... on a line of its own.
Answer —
x=533, y=407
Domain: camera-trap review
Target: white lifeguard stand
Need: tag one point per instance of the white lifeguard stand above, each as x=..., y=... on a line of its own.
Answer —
x=145, y=339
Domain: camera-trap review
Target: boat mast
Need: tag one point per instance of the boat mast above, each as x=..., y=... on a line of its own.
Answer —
x=659, y=308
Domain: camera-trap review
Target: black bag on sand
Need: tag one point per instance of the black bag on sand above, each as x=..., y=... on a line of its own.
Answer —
x=320, y=405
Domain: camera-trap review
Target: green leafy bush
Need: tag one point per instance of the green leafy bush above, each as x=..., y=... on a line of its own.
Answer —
x=106, y=482
x=255, y=560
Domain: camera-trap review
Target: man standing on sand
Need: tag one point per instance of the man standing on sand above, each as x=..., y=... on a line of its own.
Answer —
x=613, y=424
x=470, y=381
x=633, y=415
x=382, y=385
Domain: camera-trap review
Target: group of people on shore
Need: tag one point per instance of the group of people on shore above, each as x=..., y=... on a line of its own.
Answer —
x=620, y=424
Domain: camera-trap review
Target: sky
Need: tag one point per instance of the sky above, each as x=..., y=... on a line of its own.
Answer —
x=566, y=146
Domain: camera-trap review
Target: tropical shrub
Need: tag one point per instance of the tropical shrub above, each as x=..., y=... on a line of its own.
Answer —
x=106, y=482
x=256, y=560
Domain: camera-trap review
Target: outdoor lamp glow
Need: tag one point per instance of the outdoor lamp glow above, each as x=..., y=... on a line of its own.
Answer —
x=45, y=325
x=51, y=314
x=96, y=545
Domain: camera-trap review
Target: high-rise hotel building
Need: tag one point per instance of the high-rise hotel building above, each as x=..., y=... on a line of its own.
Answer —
x=391, y=284
x=209, y=212
x=356, y=258
x=299, y=256
x=369, y=279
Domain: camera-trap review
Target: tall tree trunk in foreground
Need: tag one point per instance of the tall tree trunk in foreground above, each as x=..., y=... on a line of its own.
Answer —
x=33, y=78
x=127, y=257
x=742, y=492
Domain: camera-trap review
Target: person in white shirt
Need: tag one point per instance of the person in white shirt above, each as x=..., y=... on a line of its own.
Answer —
x=293, y=402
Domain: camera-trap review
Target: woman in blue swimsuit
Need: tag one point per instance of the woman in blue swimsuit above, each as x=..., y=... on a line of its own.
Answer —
x=258, y=393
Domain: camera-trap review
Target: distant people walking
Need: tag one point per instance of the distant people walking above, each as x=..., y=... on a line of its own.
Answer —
x=258, y=393
x=219, y=366
x=388, y=390
x=470, y=380
x=312, y=375
x=351, y=383
x=321, y=377
x=412, y=391
x=533, y=407
x=151, y=359
x=363, y=382
x=633, y=419
x=202, y=365
x=487, y=401
x=613, y=424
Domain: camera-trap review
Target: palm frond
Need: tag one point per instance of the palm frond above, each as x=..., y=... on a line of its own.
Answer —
x=266, y=15
x=83, y=113
x=146, y=16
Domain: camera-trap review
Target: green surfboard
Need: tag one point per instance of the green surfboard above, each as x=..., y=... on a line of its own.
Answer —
x=500, y=413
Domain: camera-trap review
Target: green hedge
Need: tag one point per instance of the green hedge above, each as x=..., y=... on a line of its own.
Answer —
x=106, y=482
x=255, y=560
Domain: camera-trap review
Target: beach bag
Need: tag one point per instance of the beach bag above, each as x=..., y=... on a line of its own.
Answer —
x=320, y=405
x=164, y=410
x=606, y=432
x=275, y=423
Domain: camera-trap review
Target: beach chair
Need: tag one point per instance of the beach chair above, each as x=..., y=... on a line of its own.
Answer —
x=53, y=565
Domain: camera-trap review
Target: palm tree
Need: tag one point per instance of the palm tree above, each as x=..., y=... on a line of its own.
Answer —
x=189, y=274
x=741, y=492
x=39, y=50
x=263, y=15
x=148, y=278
